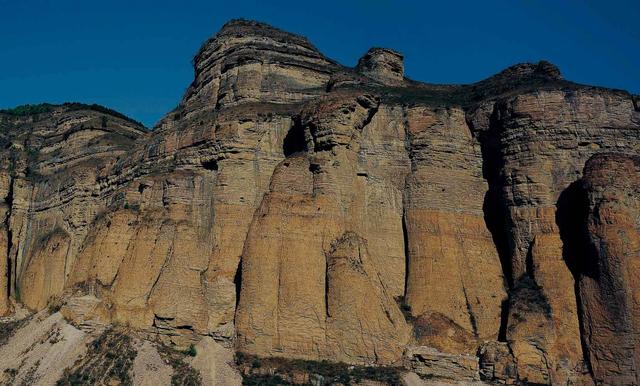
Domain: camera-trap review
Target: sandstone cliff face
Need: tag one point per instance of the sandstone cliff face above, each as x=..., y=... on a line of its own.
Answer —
x=609, y=275
x=454, y=279
x=295, y=207
x=51, y=164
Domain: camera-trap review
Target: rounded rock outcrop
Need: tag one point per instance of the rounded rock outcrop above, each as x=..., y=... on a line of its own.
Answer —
x=382, y=64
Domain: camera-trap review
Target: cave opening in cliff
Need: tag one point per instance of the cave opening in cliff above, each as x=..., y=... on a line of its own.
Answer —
x=211, y=165
x=294, y=142
x=9, y=267
x=571, y=217
x=237, y=282
x=405, y=240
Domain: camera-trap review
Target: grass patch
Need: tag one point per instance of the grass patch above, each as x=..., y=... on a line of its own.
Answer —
x=281, y=371
x=42, y=108
x=518, y=79
x=264, y=380
x=108, y=361
x=25, y=110
x=183, y=374
x=7, y=329
x=10, y=376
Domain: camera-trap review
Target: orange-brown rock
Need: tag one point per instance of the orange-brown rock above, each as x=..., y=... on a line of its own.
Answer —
x=291, y=206
x=454, y=271
x=5, y=306
x=534, y=155
x=609, y=281
x=44, y=275
x=306, y=263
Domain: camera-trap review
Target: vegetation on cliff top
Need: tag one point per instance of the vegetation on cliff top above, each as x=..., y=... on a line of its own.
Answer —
x=42, y=108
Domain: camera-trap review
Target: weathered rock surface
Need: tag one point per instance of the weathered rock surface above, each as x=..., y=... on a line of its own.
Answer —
x=294, y=207
x=382, y=64
x=215, y=364
x=304, y=288
x=39, y=351
x=454, y=278
x=431, y=363
x=609, y=281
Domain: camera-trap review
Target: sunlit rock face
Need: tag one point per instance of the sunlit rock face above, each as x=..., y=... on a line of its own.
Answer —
x=290, y=206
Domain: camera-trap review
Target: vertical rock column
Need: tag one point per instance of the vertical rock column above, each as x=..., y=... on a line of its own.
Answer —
x=311, y=287
x=540, y=154
x=5, y=270
x=609, y=283
x=454, y=283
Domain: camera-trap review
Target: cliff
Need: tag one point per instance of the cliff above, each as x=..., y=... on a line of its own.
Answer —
x=292, y=207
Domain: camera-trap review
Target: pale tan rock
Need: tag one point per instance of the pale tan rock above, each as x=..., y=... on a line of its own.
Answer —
x=413, y=379
x=42, y=349
x=364, y=322
x=104, y=249
x=536, y=154
x=215, y=364
x=148, y=368
x=432, y=363
x=279, y=259
x=44, y=274
x=282, y=303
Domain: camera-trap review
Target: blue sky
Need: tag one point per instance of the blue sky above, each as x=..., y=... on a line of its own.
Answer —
x=135, y=56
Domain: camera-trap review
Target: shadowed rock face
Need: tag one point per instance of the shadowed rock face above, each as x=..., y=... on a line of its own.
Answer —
x=298, y=208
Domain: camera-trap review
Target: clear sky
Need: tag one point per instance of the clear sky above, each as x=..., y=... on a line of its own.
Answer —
x=135, y=56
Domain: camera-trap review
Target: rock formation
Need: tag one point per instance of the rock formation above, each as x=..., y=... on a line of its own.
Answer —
x=609, y=281
x=294, y=207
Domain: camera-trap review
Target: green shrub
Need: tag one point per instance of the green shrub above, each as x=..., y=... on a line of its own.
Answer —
x=191, y=351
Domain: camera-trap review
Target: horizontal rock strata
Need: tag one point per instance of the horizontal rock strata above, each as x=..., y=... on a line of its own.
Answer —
x=294, y=207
